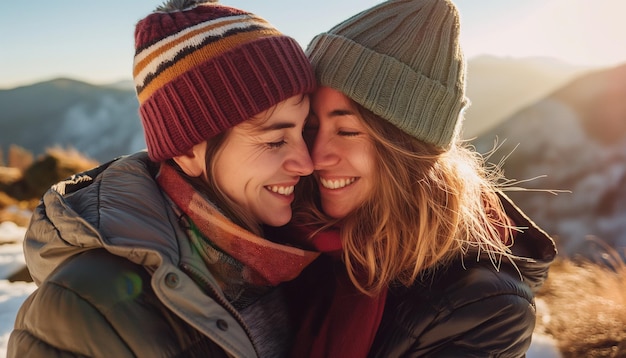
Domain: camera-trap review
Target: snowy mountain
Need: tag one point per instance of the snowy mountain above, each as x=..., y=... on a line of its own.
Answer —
x=98, y=121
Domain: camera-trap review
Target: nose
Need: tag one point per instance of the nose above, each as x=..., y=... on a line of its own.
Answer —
x=300, y=160
x=323, y=152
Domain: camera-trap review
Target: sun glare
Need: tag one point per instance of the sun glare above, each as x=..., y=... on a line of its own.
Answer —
x=581, y=32
x=589, y=32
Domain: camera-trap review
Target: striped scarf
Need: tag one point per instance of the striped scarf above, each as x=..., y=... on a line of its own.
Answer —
x=262, y=262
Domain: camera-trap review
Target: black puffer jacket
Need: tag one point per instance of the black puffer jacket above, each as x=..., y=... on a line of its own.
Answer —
x=470, y=308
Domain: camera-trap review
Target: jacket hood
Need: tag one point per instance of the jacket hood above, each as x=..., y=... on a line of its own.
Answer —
x=119, y=207
x=533, y=250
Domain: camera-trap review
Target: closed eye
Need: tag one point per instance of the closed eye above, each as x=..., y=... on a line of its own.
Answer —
x=348, y=133
x=274, y=145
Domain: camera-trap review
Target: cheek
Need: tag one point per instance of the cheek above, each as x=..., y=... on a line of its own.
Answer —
x=222, y=181
x=227, y=175
x=366, y=157
x=219, y=169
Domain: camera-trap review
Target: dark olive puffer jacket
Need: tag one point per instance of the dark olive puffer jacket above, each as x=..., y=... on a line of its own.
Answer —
x=114, y=313
x=470, y=308
x=118, y=277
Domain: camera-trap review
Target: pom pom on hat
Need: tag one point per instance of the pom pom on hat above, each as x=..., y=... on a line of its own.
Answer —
x=401, y=60
x=201, y=68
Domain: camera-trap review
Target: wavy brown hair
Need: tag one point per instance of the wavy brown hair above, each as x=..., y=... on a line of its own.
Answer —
x=208, y=186
x=428, y=207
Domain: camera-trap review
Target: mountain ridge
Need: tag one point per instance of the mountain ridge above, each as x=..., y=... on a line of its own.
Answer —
x=102, y=121
x=99, y=121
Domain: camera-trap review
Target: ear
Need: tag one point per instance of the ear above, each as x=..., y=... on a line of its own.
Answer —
x=193, y=163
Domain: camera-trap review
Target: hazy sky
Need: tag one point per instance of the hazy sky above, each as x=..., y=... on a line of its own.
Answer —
x=93, y=40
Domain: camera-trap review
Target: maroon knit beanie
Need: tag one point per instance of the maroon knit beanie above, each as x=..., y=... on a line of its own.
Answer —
x=203, y=68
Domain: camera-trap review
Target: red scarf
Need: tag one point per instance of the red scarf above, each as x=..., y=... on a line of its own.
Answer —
x=265, y=263
x=346, y=326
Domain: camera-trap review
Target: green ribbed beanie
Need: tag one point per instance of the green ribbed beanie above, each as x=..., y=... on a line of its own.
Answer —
x=401, y=60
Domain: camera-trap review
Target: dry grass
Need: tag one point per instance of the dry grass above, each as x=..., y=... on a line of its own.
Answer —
x=586, y=306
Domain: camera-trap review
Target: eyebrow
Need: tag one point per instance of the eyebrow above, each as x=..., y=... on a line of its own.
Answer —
x=276, y=126
x=337, y=113
x=341, y=112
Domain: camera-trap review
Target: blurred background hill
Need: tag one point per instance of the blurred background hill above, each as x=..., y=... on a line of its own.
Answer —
x=572, y=140
x=500, y=86
x=99, y=121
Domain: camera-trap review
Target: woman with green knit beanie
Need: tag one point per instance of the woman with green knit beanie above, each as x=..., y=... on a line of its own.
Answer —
x=425, y=256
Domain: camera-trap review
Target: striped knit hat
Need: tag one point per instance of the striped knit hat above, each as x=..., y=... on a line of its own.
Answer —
x=202, y=68
x=401, y=60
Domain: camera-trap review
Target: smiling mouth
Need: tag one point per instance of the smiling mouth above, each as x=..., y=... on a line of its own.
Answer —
x=282, y=190
x=336, y=183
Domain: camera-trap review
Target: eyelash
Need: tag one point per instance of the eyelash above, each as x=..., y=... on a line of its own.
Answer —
x=348, y=134
x=274, y=145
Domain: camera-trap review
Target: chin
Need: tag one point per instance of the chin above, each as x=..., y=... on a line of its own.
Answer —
x=333, y=212
x=283, y=220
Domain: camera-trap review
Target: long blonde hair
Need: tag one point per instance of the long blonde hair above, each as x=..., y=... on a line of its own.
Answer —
x=429, y=207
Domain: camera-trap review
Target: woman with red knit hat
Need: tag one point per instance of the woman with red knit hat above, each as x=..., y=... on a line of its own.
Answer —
x=161, y=253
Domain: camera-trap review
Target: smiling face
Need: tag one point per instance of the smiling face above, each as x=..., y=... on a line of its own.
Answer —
x=262, y=159
x=342, y=153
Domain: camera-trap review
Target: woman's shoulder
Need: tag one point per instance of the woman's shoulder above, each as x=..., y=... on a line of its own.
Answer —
x=88, y=285
x=103, y=278
x=467, y=281
x=474, y=288
x=99, y=297
x=466, y=309
x=91, y=295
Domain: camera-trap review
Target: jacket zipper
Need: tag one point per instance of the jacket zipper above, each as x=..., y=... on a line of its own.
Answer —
x=212, y=292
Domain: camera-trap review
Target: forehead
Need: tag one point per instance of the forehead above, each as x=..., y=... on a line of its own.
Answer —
x=326, y=97
x=289, y=113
